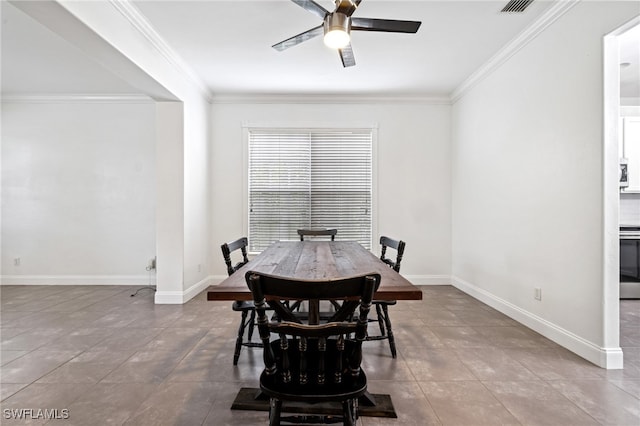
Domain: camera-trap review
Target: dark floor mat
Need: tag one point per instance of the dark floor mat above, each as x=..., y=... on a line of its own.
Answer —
x=252, y=399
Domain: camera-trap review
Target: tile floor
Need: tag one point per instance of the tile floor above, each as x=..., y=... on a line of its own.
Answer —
x=109, y=358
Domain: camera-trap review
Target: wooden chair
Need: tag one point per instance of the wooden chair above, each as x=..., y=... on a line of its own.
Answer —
x=312, y=363
x=382, y=306
x=246, y=308
x=317, y=232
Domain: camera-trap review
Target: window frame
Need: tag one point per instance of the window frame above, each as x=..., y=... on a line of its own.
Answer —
x=322, y=127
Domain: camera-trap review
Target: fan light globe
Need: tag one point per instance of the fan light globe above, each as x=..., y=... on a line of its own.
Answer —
x=336, y=39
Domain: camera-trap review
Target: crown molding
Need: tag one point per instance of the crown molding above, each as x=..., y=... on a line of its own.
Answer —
x=75, y=98
x=559, y=8
x=141, y=24
x=328, y=99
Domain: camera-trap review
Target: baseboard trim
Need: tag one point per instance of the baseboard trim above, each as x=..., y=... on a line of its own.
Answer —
x=609, y=358
x=429, y=279
x=77, y=280
x=181, y=297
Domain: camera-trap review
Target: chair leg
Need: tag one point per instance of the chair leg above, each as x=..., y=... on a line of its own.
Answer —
x=243, y=323
x=252, y=323
x=387, y=321
x=380, y=318
x=275, y=407
x=349, y=412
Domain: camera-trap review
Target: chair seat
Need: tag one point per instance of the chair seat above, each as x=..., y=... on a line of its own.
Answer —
x=243, y=305
x=350, y=387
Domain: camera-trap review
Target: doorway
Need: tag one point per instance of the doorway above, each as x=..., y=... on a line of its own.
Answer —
x=615, y=92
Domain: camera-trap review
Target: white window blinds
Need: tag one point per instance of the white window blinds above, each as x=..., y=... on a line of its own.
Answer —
x=309, y=179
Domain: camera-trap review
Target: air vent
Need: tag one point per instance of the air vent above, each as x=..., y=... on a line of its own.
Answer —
x=516, y=6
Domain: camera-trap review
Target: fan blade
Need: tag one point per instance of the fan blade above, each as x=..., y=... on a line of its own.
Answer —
x=386, y=25
x=290, y=42
x=313, y=7
x=346, y=55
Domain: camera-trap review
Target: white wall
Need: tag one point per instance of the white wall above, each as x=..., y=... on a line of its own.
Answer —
x=527, y=181
x=78, y=192
x=197, y=201
x=116, y=36
x=413, y=173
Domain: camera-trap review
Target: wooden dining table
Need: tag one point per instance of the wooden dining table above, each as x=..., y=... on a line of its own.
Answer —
x=316, y=260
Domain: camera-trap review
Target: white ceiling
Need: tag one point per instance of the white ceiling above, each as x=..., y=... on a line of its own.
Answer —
x=37, y=61
x=228, y=45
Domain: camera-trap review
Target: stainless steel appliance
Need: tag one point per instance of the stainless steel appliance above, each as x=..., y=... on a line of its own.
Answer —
x=629, y=262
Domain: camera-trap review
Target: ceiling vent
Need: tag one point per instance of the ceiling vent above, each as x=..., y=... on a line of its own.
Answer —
x=516, y=6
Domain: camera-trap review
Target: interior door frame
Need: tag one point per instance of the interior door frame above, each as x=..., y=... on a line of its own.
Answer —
x=611, y=196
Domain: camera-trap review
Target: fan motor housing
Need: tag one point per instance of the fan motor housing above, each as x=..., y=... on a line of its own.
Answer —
x=337, y=22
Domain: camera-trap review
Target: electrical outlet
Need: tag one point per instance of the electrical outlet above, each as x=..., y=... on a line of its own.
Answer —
x=152, y=264
x=16, y=261
x=199, y=267
x=538, y=293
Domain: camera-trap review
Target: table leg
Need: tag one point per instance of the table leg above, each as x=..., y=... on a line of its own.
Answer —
x=314, y=311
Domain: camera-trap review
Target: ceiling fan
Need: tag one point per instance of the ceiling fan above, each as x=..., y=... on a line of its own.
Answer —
x=337, y=25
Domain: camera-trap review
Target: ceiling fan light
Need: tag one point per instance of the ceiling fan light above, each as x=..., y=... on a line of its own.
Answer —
x=336, y=30
x=336, y=39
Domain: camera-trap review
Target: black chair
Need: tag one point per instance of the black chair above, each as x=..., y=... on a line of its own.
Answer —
x=317, y=233
x=246, y=308
x=312, y=363
x=382, y=306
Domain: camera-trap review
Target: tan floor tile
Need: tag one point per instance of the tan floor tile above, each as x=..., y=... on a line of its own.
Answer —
x=33, y=338
x=630, y=386
x=379, y=365
x=410, y=403
x=435, y=364
x=8, y=389
x=32, y=366
x=417, y=337
x=8, y=356
x=145, y=367
x=461, y=337
x=440, y=317
x=217, y=366
x=494, y=364
x=127, y=338
x=106, y=403
x=53, y=397
x=514, y=337
x=88, y=367
x=177, y=404
x=556, y=364
x=602, y=400
x=176, y=340
x=466, y=403
x=537, y=403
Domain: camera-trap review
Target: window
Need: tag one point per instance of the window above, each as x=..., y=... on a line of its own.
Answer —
x=309, y=179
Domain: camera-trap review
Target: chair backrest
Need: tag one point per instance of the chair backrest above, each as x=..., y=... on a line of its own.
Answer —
x=228, y=248
x=317, y=232
x=397, y=245
x=310, y=342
